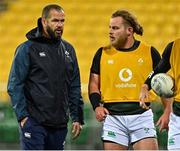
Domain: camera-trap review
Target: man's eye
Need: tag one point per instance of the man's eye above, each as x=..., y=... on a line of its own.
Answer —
x=115, y=28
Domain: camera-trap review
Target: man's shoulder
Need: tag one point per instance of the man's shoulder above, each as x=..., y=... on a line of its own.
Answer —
x=145, y=44
x=177, y=40
x=25, y=44
x=23, y=49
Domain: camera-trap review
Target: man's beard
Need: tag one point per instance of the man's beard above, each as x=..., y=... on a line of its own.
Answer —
x=120, y=43
x=53, y=34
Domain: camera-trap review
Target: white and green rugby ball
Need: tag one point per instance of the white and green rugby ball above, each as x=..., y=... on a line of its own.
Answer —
x=163, y=85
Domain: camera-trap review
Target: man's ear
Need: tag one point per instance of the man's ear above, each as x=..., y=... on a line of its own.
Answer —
x=43, y=21
x=130, y=31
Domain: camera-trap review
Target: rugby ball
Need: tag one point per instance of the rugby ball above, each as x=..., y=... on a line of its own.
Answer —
x=163, y=85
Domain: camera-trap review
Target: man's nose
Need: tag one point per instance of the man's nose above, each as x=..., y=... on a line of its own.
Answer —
x=60, y=23
x=110, y=31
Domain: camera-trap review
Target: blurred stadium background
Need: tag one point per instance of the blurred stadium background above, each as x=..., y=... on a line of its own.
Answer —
x=86, y=27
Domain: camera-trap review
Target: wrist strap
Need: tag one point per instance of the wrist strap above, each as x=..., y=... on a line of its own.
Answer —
x=95, y=99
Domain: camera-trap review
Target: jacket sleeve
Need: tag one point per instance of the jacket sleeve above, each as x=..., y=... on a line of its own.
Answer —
x=75, y=99
x=17, y=77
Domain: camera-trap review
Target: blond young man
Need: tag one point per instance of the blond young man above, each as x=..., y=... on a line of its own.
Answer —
x=117, y=72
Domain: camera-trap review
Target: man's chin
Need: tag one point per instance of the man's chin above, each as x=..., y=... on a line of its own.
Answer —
x=112, y=43
x=58, y=36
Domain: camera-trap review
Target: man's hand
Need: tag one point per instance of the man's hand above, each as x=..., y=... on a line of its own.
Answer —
x=163, y=122
x=144, y=96
x=164, y=119
x=23, y=121
x=101, y=113
x=76, y=129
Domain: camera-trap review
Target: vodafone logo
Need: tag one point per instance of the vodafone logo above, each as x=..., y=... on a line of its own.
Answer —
x=125, y=74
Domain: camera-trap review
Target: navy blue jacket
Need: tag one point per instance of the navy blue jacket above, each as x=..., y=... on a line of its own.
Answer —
x=44, y=81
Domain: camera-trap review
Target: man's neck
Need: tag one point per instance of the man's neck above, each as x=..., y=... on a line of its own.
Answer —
x=129, y=43
x=45, y=34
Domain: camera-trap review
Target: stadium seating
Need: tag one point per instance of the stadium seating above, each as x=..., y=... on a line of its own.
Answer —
x=86, y=27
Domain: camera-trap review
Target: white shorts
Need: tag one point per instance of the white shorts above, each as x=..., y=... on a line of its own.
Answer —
x=174, y=132
x=128, y=129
